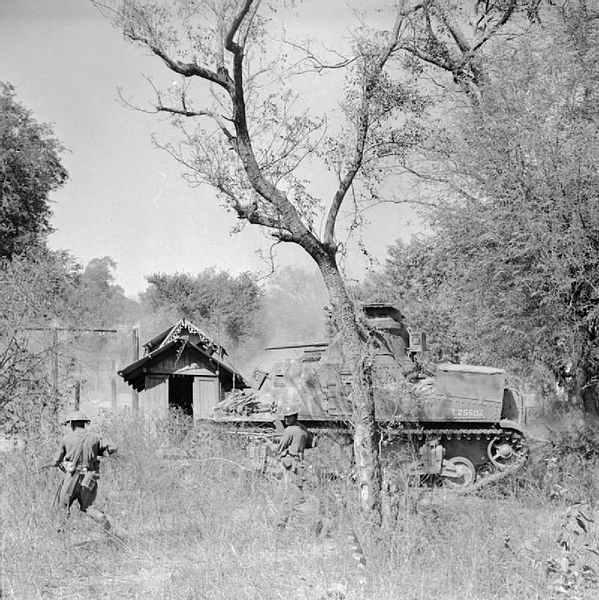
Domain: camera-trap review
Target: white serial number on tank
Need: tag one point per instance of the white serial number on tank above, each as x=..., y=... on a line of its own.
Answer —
x=468, y=413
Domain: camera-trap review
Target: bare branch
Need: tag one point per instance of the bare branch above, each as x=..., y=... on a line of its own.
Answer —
x=186, y=69
x=410, y=201
x=198, y=113
x=237, y=21
x=461, y=59
x=250, y=20
x=243, y=146
x=185, y=113
x=457, y=35
x=507, y=13
x=129, y=105
x=284, y=236
x=362, y=133
x=252, y=214
x=318, y=65
x=285, y=154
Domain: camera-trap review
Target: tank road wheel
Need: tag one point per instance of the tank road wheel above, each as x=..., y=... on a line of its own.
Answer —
x=503, y=453
x=460, y=472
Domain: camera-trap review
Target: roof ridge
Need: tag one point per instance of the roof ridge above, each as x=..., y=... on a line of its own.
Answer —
x=192, y=328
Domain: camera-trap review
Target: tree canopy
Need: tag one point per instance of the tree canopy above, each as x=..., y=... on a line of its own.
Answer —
x=511, y=266
x=49, y=307
x=35, y=292
x=225, y=306
x=30, y=169
x=100, y=301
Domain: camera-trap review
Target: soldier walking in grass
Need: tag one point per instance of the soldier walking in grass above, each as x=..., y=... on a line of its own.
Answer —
x=290, y=452
x=77, y=457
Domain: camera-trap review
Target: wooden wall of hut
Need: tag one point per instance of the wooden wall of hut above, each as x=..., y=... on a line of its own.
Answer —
x=206, y=395
x=155, y=401
x=155, y=396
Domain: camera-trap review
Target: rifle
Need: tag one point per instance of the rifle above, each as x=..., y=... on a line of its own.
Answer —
x=50, y=465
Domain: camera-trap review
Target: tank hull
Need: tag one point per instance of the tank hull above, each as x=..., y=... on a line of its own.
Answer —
x=467, y=409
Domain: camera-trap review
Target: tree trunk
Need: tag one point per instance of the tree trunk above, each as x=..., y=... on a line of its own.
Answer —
x=583, y=390
x=366, y=434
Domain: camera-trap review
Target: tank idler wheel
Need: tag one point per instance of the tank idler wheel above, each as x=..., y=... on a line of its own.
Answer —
x=501, y=453
x=460, y=472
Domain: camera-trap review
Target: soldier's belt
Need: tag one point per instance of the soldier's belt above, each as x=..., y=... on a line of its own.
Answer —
x=71, y=469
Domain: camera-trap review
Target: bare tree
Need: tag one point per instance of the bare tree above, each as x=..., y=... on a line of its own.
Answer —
x=256, y=147
x=245, y=132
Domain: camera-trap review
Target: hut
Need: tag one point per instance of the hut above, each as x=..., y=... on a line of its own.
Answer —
x=183, y=368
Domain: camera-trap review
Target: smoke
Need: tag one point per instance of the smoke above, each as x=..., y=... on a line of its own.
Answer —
x=292, y=312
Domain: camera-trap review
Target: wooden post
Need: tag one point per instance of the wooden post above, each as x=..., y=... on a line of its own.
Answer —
x=135, y=348
x=77, y=398
x=55, y=363
x=113, y=403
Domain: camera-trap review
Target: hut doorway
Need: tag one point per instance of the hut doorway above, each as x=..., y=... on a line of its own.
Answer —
x=180, y=393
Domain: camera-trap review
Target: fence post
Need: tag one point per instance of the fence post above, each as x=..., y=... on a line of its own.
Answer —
x=135, y=348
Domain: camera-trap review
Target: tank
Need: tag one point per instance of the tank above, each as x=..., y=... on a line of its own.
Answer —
x=467, y=412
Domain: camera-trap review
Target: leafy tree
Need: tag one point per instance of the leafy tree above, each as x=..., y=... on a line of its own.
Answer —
x=256, y=144
x=35, y=292
x=534, y=205
x=49, y=306
x=101, y=301
x=42, y=293
x=516, y=241
x=98, y=303
x=30, y=169
x=226, y=307
x=456, y=37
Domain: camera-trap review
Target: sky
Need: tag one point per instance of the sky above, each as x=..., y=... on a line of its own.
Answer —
x=125, y=198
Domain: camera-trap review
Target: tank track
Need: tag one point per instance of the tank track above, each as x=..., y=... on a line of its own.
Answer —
x=485, y=474
x=489, y=472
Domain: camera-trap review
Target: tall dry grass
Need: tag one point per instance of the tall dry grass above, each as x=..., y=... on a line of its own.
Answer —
x=196, y=524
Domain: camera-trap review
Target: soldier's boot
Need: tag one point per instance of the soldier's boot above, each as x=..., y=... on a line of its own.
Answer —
x=63, y=521
x=99, y=517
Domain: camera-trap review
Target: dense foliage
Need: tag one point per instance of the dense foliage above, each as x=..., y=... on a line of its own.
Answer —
x=224, y=306
x=48, y=303
x=100, y=302
x=30, y=169
x=509, y=273
x=35, y=292
x=49, y=308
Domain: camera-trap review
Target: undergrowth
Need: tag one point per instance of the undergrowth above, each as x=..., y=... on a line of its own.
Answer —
x=195, y=522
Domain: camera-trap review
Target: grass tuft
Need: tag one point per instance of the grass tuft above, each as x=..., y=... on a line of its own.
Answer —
x=196, y=523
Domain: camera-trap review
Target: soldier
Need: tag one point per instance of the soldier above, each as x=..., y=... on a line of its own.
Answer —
x=290, y=452
x=78, y=458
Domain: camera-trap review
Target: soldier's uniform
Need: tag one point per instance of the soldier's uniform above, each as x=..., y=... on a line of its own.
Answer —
x=290, y=451
x=78, y=456
x=295, y=440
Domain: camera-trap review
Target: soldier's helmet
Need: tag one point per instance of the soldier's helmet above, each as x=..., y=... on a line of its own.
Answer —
x=290, y=404
x=289, y=411
x=76, y=416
